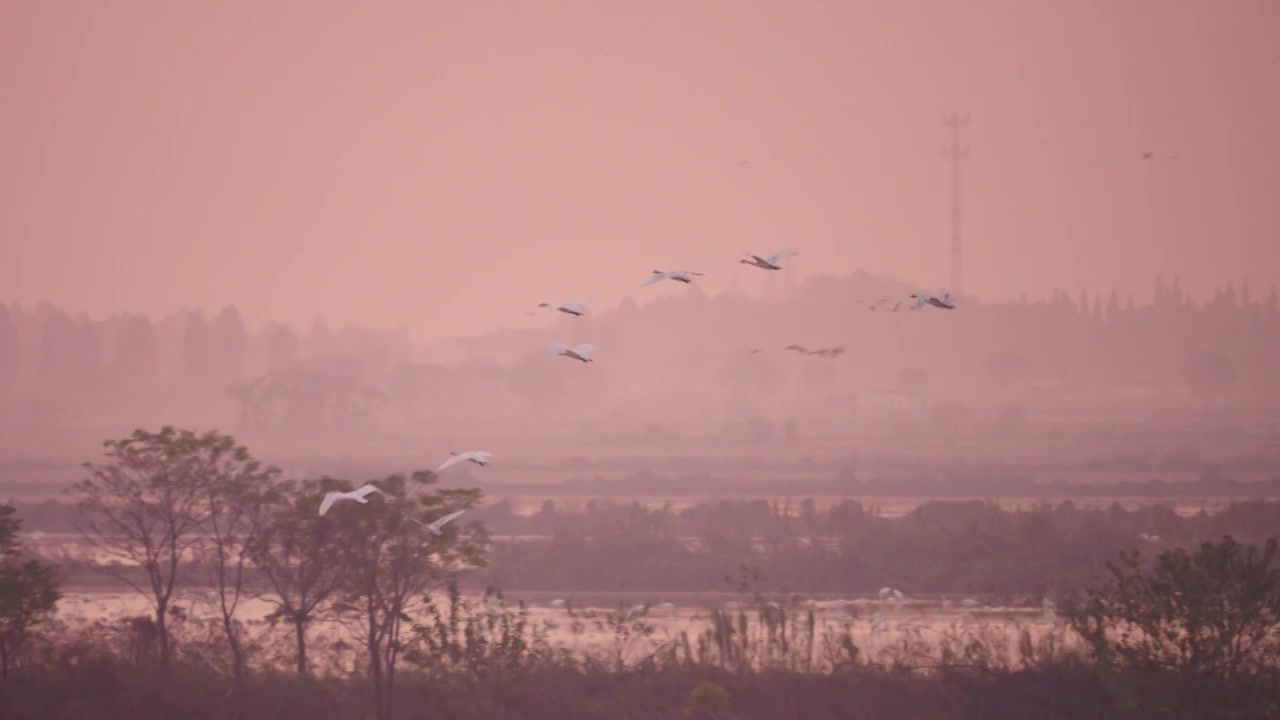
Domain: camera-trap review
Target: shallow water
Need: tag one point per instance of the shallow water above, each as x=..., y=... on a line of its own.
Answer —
x=627, y=629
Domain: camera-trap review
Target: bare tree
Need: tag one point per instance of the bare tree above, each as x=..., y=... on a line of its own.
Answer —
x=392, y=563
x=296, y=556
x=146, y=507
x=238, y=496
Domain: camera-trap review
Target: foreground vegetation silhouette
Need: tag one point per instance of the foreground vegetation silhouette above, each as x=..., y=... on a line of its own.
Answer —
x=1194, y=633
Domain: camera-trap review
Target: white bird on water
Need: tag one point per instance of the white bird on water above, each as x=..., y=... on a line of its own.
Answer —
x=577, y=309
x=684, y=276
x=361, y=496
x=769, y=263
x=582, y=352
x=479, y=457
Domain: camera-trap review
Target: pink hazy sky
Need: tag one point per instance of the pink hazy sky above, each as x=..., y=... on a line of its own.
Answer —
x=446, y=166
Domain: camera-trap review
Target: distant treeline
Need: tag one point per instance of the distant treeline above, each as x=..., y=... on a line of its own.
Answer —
x=955, y=484
x=55, y=366
x=940, y=547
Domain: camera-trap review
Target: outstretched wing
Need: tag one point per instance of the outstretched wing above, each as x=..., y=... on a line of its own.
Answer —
x=556, y=349
x=328, y=502
x=584, y=349
x=452, y=461
x=438, y=524
x=369, y=489
x=774, y=258
x=655, y=278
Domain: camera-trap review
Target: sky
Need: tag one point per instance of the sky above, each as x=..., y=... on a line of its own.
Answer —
x=446, y=166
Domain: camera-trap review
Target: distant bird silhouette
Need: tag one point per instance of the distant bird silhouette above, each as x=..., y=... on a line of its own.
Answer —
x=582, y=352
x=574, y=308
x=939, y=301
x=796, y=348
x=769, y=263
x=1147, y=155
x=683, y=276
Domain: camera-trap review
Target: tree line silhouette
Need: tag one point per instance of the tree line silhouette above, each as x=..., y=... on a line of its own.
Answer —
x=54, y=365
x=194, y=520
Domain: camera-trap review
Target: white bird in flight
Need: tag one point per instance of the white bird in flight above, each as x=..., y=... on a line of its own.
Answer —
x=361, y=496
x=436, y=527
x=684, y=276
x=577, y=309
x=479, y=457
x=769, y=263
x=939, y=301
x=582, y=352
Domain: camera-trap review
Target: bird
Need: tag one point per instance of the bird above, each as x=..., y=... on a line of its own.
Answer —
x=940, y=301
x=577, y=309
x=582, y=352
x=436, y=527
x=479, y=457
x=796, y=348
x=361, y=496
x=684, y=276
x=755, y=351
x=1147, y=155
x=769, y=263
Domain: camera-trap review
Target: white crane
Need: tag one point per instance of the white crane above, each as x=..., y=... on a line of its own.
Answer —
x=582, y=352
x=437, y=527
x=577, y=308
x=769, y=263
x=684, y=276
x=939, y=301
x=479, y=457
x=361, y=496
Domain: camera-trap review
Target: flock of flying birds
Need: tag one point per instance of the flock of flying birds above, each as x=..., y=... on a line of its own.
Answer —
x=583, y=352
x=361, y=495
